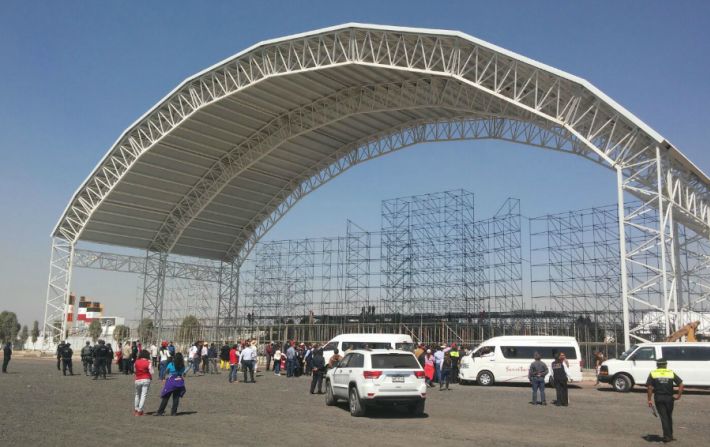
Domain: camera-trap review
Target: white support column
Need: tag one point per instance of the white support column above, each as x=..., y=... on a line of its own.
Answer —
x=622, y=257
x=58, y=287
x=668, y=240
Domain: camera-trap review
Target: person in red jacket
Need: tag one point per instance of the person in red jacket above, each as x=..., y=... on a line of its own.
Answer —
x=143, y=375
x=233, y=364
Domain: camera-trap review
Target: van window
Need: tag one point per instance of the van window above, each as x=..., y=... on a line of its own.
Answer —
x=404, y=346
x=528, y=352
x=347, y=345
x=686, y=353
x=486, y=350
x=330, y=346
x=628, y=352
x=648, y=353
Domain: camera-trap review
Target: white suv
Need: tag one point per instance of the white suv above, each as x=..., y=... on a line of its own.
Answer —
x=377, y=377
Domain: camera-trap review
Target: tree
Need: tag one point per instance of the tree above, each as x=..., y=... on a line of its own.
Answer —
x=146, y=329
x=24, y=335
x=121, y=332
x=35, y=331
x=9, y=327
x=95, y=330
x=189, y=328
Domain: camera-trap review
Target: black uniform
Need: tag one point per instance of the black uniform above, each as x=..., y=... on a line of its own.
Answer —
x=318, y=365
x=60, y=346
x=7, y=353
x=66, y=355
x=662, y=380
x=87, y=358
x=109, y=357
x=559, y=375
x=100, y=354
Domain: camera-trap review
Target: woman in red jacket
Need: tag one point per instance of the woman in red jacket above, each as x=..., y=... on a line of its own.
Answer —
x=143, y=375
x=233, y=364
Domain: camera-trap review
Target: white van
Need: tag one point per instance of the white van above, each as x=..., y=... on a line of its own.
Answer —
x=691, y=361
x=345, y=342
x=507, y=358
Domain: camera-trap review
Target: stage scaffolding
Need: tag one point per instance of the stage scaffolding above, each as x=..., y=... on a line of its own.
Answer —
x=432, y=270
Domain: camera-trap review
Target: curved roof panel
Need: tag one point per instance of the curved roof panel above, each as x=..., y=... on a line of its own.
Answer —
x=200, y=171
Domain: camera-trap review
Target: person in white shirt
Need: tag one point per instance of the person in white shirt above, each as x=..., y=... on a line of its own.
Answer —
x=204, y=356
x=277, y=362
x=165, y=358
x=248, y=360
x=154, y=355
x=193, y=358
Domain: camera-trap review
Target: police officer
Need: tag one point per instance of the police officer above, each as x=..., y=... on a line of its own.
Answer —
x=455, y=359
x=659, y=386
x=560, y=377
x=66, y=355
x=100, y=354
x=60, y=347
x=87, y=358
x=109, y=358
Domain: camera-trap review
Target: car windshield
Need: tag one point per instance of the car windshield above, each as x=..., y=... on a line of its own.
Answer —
x=394, y=361
x=628, y=352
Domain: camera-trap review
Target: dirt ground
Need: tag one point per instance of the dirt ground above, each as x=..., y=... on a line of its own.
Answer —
x=41, y=407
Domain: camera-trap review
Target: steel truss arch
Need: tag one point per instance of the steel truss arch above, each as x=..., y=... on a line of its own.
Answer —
x=392, y=140
x=616, y=135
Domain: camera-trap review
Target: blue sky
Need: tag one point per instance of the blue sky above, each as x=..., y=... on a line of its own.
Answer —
x=76, y=74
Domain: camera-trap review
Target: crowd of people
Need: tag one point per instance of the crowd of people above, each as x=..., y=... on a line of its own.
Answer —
x=291, y=359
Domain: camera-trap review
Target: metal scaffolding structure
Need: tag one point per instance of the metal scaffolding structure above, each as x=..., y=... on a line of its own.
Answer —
x=429, y=267
x=498, y=241
x=575, y=262
x=226, y=166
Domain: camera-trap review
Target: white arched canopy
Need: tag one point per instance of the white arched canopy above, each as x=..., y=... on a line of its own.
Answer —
x=213, y=166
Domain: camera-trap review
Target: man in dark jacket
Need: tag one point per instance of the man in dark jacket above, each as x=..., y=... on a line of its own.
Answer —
x=269, y=351
x=87, y=358
x=560, y=375
x=536, y=375
x=100, y=355
x=66, y=355
x=60, y=346
x=224, y=356
x=109, y=357
x=7, y=353
x=318, y=369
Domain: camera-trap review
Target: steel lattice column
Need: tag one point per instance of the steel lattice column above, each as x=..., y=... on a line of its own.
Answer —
x=56, y=305
x=650, y=267
x=228, y=299
x=154, y=289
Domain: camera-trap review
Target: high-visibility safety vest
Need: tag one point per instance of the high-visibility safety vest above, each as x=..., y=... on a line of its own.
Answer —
x=454, y=353
x=662, y=373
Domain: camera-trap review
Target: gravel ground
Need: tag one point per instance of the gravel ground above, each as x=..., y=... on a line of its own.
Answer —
x=41, y=407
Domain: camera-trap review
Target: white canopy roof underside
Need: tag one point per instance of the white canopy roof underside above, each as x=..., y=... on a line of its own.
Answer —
x=134, y=207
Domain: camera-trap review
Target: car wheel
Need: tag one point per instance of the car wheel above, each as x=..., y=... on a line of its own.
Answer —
x=357, y=409
x=485, y=378
x=417, y=409
x=330, y=399
x=622, y=383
